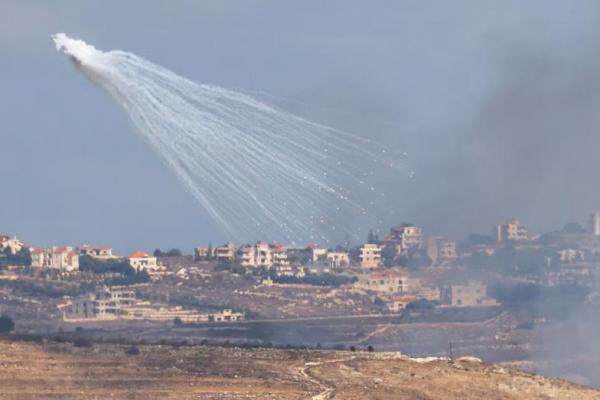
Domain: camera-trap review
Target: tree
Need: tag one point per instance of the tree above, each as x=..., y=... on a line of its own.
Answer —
x=177, y=321
x=388, y=255
x=6, y=324
x=372, y=238
x=133, y=350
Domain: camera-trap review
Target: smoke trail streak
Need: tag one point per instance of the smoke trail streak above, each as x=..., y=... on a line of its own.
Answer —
x=252, y=167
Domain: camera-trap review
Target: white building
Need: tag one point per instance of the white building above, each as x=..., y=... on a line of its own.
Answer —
x=141, y=261
x=408, y=236
x=370, y=255
x=62, y=259
x=263, y=255
x=14, y=244
x=338, y=259
x=101, y=252
x=512, y=230
x=594, y=224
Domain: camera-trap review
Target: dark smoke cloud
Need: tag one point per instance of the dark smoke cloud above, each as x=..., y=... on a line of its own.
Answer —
x=531, y=149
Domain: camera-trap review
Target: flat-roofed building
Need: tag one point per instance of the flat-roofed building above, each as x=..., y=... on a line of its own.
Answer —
x=512, y=230
x=370, y=255
x=441, y=250
x=101, y=252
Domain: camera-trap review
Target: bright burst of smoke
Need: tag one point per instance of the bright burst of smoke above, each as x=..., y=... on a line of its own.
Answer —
x=257, y=170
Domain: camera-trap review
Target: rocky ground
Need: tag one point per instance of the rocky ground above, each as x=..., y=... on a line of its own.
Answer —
x=61, y=371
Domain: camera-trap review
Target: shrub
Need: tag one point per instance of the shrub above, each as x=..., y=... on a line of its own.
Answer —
x=82, y=342
x=370, y=349
x=6, y=324
x=133, y=350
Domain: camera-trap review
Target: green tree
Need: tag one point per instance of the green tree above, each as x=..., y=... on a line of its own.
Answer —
x=6, y=324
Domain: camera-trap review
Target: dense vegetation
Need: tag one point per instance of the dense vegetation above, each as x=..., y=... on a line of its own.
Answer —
x=21, y=258
x=129, y=276
x=6, y=324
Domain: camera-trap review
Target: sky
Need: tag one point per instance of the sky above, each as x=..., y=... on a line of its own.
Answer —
x=494, y=102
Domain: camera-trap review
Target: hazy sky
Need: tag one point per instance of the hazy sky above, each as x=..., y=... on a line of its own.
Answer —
x=496, y=103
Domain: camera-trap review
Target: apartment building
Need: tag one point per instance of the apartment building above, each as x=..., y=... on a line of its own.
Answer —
x=120, y=303
x=409, y=236
x=441, y=250
x=370, y=255
x=140, y=261
x=470, y=294
x=512, y=230
x=385, y=282
x=337, y=259
x=7, y=242
x=62, y=259
x=225, y=253
x=263, y=255
x=100, y=252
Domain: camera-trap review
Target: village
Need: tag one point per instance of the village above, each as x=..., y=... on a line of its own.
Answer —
x=404, y=270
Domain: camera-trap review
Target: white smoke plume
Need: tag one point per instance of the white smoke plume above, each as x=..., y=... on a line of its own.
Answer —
x=254, y=168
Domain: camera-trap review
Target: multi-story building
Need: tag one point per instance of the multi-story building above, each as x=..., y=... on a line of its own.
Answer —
x=263, y=255
x=101, y=252
x=399, y=303
x=203, y=253
x=386, y=282
x=337, y=259
x=317, y=254
x=246, y=256
x=512, y=230
x=226, y=315
x=570, y=255
x=12, y=243
x=370, y=255
x=442, y=251
x=141, y=261
x=471, y=294
x=290, y=270
x=225, y=253
x=408, y=236
x=120, y=303
x=62, y=259
x=594, y=224
x=279, y=255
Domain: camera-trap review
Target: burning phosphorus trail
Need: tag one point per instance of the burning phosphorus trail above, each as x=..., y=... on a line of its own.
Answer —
x=256, y=169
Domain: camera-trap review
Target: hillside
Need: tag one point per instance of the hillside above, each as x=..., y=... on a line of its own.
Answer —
x=61, y=371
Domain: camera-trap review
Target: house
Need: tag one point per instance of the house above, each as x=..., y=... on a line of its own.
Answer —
x=246, y=256
x=399, y=303
x=204, y=253
x=512, y=230
x=571, y=255
x=471, y=294
x=263, y=255
x=120, y=303
x=100, y=252
x=12, y=243
x=141, y=261
x=226, y=315
x=279, y=255
x=290, y=270
x=442, y=251
x=317, y=254
x=337, y=259
x=225, y=253
x=370, y=255
x=62, y=259
x=386, y=282
x=408, y=236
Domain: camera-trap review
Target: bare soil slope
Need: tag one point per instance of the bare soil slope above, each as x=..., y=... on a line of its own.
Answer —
x=60, y=371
